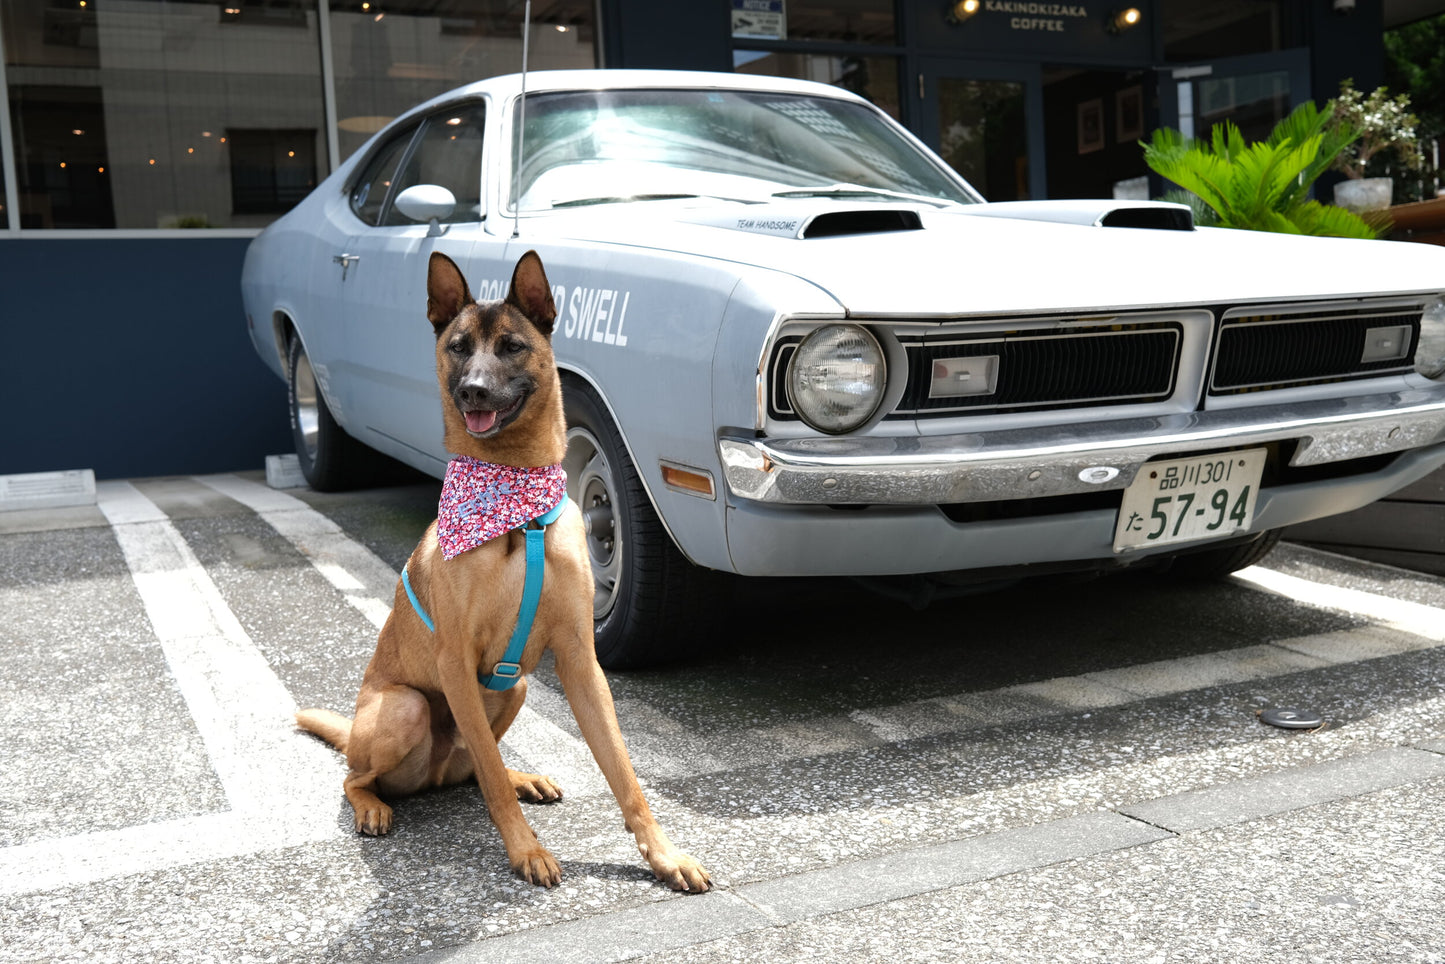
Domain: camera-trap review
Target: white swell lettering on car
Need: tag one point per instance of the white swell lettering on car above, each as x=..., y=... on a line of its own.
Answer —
x=594, y=314
x=591, y=314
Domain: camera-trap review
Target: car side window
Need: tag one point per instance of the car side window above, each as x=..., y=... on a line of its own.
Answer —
x=449, y=154
x=368, y=192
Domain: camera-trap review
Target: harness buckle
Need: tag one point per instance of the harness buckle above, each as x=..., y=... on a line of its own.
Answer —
x=506, y=670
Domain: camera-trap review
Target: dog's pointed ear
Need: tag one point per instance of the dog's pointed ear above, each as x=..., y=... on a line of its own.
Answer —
x=446, y=290
x=532, y=294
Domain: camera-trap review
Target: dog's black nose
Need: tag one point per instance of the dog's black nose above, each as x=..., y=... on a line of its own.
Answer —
x=474, y=393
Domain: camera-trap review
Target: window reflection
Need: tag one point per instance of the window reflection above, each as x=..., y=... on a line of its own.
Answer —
x=123, y=110
x=873, y=78
x=982, y=135
x=448, y=154
x=389, y=57
x=1254, y=102
x=210, y=113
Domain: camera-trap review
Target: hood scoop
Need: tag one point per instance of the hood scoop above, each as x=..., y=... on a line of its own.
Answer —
x=1158, y=218
x=838, y=223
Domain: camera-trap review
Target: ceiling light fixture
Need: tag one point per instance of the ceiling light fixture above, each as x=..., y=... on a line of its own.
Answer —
x=1121, y=20
x=963, y=9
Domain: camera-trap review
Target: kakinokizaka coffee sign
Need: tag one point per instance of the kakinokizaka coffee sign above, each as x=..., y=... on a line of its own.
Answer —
x=1041, y=28
x=1036, y=16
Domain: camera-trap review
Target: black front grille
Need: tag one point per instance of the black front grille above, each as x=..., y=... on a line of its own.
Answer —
x=1098, y=366
x=1259, y=351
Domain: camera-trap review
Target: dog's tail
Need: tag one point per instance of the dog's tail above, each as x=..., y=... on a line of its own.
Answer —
x=331, y=727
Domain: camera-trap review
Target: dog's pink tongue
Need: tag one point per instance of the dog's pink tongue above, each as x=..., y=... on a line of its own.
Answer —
x=480, y=421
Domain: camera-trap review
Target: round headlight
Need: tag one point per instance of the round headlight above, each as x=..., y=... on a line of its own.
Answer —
x=836, y=378
x=1430, y=349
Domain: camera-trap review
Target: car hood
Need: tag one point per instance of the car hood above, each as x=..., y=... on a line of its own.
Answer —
x=892, y=259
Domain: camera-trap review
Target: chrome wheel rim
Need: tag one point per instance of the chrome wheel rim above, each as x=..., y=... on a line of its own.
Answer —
x=590, y=484
x=306, y=404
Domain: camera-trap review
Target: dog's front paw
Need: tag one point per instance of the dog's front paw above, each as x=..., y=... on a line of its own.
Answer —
x=678, y=871
x=538, y=866
x=374, y=820
x=534, y=787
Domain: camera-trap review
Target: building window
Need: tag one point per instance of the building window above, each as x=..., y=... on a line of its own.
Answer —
x=1224, y=28
x=390, y=57
x=120, y=109
x=271, y=170
x=212, y=113
x=63, y=169
x=822, y=41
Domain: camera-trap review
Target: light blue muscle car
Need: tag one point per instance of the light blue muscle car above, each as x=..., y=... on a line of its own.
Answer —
x=794, y=342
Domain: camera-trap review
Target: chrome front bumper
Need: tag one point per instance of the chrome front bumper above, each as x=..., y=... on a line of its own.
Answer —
x=1065, y=460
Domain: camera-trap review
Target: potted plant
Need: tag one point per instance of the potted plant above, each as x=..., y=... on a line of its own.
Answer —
x=1386, y=134
x=1260, y=186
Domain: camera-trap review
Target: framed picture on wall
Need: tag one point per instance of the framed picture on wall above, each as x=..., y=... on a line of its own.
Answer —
x=1091, y=125
x=1129, y=114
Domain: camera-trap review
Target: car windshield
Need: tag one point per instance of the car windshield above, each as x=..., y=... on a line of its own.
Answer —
x=598, y=147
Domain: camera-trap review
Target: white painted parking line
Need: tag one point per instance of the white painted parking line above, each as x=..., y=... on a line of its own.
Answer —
x=280, y=786
x=369, y=585
x=1401, y=614
x=364, y=580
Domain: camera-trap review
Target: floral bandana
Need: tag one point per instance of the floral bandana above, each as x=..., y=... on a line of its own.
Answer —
x=482, y=500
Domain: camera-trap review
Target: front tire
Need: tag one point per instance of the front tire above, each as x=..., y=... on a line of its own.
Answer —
x=331, y=460
x=648, y=600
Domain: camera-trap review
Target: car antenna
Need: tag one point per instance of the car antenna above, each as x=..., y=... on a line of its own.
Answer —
x=521, y=125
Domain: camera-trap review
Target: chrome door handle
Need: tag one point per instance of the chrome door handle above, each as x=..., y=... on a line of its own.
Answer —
x=345, y=261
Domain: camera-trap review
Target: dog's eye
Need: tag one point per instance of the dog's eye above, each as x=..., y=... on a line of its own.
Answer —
x=457, y=347
x=514, y=346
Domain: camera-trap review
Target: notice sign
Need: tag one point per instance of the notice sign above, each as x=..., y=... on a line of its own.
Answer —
x=760, y=19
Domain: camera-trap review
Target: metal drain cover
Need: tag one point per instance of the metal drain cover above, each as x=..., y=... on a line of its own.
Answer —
x=1292, y=719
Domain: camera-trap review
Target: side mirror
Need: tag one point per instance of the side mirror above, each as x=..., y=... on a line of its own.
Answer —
x=427, y=202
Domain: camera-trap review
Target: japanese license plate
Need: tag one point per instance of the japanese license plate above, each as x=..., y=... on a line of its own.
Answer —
x=1186, y=500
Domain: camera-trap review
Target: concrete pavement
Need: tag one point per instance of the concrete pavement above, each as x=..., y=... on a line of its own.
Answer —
x=1086, y=781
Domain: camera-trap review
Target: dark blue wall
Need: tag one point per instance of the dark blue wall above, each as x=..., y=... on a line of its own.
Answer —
x=131, y=357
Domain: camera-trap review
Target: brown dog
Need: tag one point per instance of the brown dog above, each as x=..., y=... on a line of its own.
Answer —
x=422, y=718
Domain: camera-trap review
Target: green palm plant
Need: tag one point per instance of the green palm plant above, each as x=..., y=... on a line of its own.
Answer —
x=1264, y=185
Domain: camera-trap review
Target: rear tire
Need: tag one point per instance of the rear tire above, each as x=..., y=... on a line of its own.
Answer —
x=649, y=601
x=1220, y=562
x=331, y=460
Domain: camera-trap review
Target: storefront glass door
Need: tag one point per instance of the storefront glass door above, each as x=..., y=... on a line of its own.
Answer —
x=985, y=121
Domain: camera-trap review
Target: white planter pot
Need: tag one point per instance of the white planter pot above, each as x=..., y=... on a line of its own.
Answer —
x=1365, y=193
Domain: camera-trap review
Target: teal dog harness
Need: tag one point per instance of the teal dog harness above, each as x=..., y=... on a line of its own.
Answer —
x=459, y=507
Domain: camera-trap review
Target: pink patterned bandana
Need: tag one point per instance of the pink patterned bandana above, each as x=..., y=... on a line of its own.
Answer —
x=482, y=500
